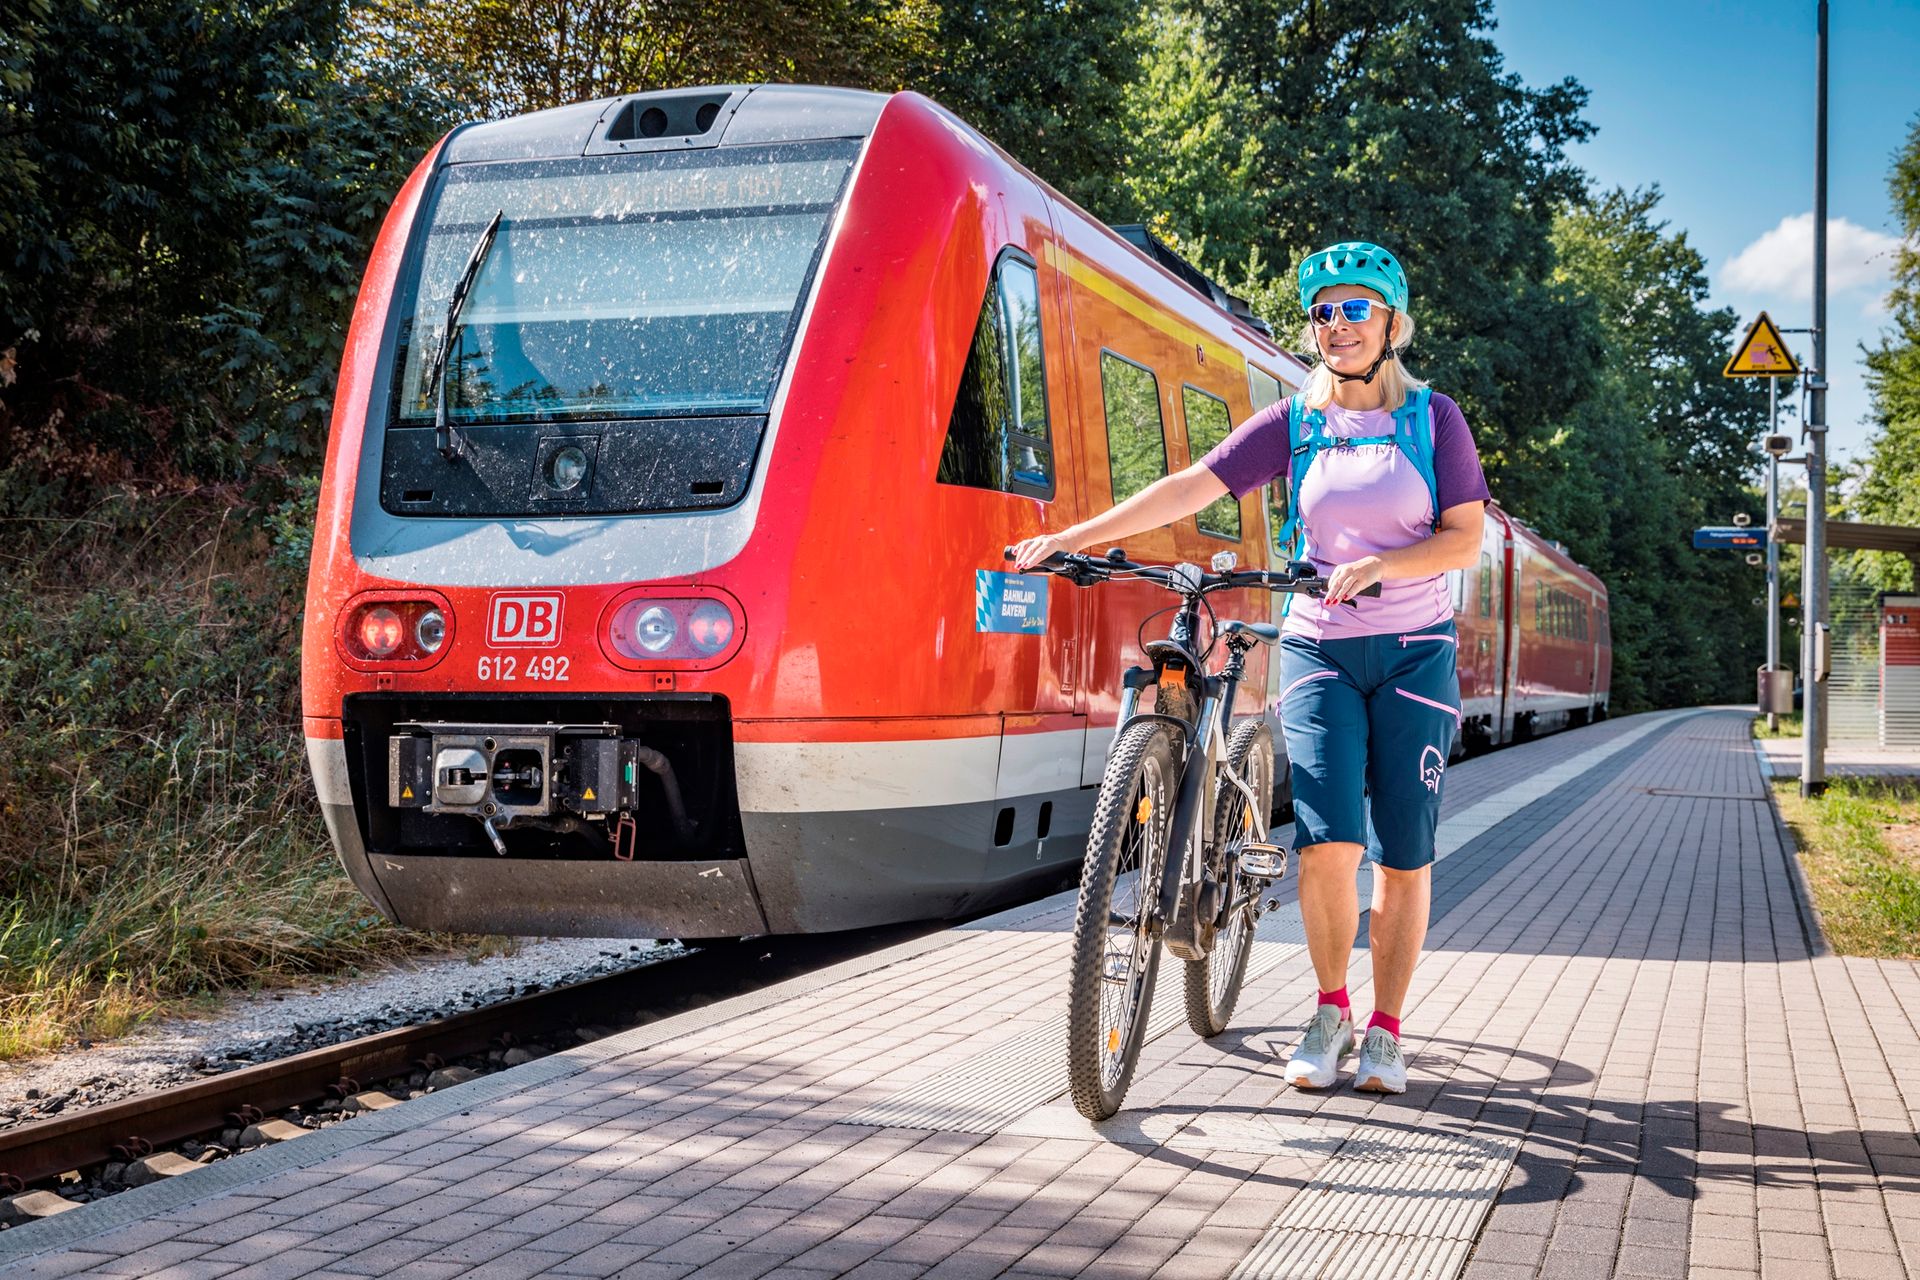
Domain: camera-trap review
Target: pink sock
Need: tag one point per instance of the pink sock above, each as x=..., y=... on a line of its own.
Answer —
x=1340, y=998
x=1392, y=1025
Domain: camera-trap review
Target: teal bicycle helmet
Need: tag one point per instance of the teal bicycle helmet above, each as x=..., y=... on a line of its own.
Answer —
x=1354, y=262
x=1357, y=262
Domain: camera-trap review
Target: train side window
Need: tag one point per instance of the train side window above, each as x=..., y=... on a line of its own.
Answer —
x=997, y=436
x=1208, y=423
x=1486, y=585
x=1136, y=432
x=1264, y=389
x=1540, y=607
x=1274, y=494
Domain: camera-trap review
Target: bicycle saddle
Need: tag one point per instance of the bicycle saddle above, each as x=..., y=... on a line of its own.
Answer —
x=1264, y=632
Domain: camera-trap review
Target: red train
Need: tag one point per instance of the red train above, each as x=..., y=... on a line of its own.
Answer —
x=655, y=589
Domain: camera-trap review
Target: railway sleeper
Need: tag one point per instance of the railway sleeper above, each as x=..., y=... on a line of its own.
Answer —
x=31, y=1206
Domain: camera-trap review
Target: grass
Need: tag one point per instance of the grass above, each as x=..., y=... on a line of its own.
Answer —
x=161, y=842
x=1789, y=726
x=1860, y=847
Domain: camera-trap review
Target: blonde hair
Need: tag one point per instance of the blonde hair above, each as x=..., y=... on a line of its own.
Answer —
x=1396, y=384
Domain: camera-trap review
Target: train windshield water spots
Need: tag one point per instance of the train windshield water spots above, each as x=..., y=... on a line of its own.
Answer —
x=657, y=285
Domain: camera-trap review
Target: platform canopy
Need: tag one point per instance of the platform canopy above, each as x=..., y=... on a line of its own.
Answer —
x=1855, y=535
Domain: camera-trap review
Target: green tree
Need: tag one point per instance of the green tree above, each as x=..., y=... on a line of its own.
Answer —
x=1193, y=154
x=192, y=190
x=1047, y=80
x=525, y=55
x=1662, y=445
x=1885, y=487
x=1394, y=122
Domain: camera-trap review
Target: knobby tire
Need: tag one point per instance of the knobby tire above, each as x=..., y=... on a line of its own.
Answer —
x=1107, y=1021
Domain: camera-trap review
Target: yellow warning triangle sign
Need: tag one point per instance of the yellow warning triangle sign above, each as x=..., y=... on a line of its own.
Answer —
x=406, y=793
x=1761, y=354
x=588, y=794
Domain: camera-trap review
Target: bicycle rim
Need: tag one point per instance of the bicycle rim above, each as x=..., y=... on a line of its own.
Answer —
x=1116, y=951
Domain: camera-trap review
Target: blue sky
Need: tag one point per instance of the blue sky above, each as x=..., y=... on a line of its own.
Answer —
x=1714, y=103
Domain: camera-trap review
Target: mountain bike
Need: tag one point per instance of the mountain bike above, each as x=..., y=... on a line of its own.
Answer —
x=1176, y=779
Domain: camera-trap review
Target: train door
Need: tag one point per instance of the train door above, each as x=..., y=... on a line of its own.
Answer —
x=1211, y=405
x=1590, y=642
x=1264, y=390
x=1128, y=363
x=1041, y=746
x=1508, y=565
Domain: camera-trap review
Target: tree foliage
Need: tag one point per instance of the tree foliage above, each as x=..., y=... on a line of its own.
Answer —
x=525, y=55
x=197, y=187
x=1046, y=79
x=1661, y=445
x=1885, y=487
x=1394, y=122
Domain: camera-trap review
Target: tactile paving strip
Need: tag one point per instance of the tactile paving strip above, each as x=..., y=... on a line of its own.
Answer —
x=988, y=1090
x=1402, y=1204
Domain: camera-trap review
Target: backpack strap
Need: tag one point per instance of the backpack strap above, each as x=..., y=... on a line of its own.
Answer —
x=1413, y=432
x=1306, y=438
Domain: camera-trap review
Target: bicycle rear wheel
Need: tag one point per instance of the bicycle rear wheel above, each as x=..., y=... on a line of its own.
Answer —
x=1116, y=951
x=1213, y=981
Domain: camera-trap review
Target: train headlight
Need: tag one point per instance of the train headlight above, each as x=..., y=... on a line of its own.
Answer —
x=647, y=628
x=567, y=468
x=394, y=630
x=655, y=629
x=381, y=632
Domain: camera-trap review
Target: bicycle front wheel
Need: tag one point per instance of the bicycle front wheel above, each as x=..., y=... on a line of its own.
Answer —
x=1213, y=981
x=1116, y=950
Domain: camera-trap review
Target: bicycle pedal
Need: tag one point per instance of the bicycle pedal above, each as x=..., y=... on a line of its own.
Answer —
x=1264, y=861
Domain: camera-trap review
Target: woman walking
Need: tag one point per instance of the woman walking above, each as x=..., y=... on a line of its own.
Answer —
x=1384, y=486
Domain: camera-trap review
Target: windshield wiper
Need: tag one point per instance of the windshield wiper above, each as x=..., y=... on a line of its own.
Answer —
x=444, y=438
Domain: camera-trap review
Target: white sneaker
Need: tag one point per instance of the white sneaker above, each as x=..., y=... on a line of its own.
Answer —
x=1383, y=1068
x=1329, y=1038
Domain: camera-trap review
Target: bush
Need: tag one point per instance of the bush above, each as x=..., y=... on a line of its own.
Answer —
x=163, y=837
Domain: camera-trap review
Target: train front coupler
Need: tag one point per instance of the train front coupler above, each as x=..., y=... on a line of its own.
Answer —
x=547, y=775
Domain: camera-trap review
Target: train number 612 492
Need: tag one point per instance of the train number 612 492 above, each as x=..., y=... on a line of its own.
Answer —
x=506, y=667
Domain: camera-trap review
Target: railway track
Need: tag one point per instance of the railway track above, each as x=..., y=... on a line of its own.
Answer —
x=138, y=1129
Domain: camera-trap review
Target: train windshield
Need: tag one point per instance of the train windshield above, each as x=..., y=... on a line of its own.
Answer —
x=666, y=284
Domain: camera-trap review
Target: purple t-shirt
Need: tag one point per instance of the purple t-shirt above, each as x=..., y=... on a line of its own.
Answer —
x=1360, y=502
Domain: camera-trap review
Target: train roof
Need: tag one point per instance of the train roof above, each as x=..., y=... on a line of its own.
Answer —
x=744, y=115
x=672, y=120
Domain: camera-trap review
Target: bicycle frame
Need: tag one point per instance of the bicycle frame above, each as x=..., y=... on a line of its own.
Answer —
x=1203, y=759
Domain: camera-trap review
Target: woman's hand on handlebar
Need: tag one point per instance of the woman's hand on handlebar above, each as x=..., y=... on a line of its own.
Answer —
x=1350, y=579
x=1035, y=549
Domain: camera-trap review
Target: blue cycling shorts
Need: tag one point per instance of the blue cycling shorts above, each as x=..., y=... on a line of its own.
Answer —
x=1370, y=722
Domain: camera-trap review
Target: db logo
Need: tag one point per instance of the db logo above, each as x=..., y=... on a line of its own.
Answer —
x=524, y=619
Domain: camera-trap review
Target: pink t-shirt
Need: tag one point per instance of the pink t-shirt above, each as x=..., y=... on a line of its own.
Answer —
x=1360, y=501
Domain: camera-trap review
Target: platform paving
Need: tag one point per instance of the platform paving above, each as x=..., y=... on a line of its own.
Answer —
x=1631, y=1056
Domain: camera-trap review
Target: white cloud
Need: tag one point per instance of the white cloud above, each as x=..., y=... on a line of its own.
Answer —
x=1780, y=263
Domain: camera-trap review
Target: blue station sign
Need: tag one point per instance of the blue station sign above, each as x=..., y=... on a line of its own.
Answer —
x=1728, y=538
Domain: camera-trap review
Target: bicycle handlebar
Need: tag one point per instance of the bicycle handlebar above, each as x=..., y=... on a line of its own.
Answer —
x=1084, y=570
